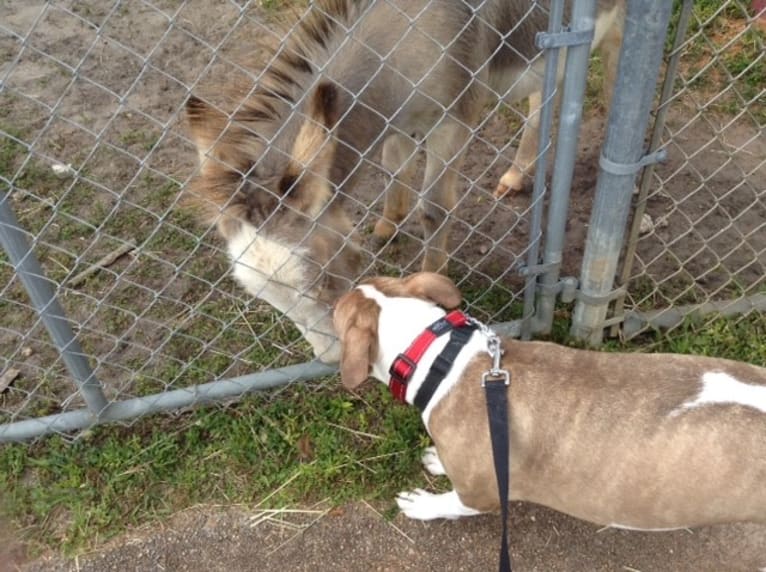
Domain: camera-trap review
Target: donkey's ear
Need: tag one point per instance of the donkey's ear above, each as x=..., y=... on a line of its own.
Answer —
x=214, y=136
x=435, y=287
x=325, y=108
x=308, y=172
x=314, y=146
x=205, y=123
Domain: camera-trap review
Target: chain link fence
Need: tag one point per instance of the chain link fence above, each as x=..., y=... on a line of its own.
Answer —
x=94, y=157
x=138, y=294
x=697, y=244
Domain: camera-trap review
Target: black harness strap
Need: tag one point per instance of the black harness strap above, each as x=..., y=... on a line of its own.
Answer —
x=497, y=409
x=442, y=365
x=495, y=381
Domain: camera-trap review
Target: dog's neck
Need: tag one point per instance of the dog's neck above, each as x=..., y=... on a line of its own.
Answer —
x=400, y=321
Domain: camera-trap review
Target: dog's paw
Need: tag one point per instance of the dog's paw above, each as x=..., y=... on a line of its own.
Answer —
x=431, y=462
x=422, y=505
x=419, y=504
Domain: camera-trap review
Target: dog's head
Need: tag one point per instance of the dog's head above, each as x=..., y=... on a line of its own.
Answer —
x=356, y=317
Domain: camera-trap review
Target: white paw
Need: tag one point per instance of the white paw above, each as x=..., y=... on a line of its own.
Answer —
x=422, y=505
x=431, y=462
x=418, y=504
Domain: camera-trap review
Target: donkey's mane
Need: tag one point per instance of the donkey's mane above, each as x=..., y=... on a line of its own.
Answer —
x=306, y=39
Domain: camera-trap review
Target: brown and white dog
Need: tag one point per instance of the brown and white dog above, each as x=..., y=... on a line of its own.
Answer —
x=637, y=441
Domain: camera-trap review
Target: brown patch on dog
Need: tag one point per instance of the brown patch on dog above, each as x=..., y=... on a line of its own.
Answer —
x=356, y=321
x=430, y=286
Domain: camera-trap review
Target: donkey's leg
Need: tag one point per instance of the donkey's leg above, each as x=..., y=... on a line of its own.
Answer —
x=400, y=159
x=526, y=155
x=610, y=55
x=445, y=149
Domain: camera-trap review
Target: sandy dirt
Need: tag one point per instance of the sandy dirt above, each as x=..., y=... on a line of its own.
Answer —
x=357, y=538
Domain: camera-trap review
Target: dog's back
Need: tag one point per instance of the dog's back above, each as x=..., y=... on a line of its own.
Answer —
x=645, y=441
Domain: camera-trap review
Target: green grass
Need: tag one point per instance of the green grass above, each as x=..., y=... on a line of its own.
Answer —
x=310, y=442
x=315, y=444
x=718, y=33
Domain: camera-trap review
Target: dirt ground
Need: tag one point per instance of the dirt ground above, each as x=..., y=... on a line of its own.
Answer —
x=358, y=538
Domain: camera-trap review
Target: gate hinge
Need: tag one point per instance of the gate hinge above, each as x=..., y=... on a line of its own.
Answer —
x=566, y=37
x=566, y=288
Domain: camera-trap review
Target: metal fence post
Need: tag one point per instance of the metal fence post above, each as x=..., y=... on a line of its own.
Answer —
x=43, y=297
x=575, y=81
x=543, y=145
x=621, y=159
x=663, y=107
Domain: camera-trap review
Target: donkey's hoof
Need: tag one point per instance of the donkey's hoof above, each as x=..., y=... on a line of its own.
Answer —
x=511, y=181
x=384, y=229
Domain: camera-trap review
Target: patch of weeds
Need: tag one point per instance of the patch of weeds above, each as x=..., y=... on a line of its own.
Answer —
x=281, y=5
x=514, y=115
x=739, y=338
x=726, y=46
x=594, y=90
x=139, y=139
x=314, y=444
x=11, y=151
x=490, y=301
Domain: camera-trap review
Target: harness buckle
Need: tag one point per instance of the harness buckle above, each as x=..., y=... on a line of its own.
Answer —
x=396, y=372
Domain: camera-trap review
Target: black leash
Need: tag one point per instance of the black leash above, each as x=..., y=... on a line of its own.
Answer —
x=496, y=383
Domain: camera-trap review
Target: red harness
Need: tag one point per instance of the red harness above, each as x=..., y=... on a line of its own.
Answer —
x=405, y=363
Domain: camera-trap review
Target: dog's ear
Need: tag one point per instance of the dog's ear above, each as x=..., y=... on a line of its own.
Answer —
x=355, y=357
x=434, y=287
x=356, y=322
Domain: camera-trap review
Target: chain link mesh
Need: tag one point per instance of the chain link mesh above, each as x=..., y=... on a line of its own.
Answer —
x=93, y=154
x=701, y=241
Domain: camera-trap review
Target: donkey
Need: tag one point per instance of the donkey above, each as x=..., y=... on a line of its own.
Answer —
x=353, y=77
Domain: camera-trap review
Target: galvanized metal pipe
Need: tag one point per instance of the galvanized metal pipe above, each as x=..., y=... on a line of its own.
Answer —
x=570, y=119
x=41, y=291
x=667, y=318
x=555, y=19
x=185, y=397
x=659, y=126
x=640, y=57
x=165, y=401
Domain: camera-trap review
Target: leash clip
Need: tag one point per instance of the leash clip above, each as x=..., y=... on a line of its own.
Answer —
x=495, y=374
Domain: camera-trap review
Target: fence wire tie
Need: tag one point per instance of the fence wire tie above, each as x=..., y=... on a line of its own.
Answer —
x=567, y=37
x=622, y=169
